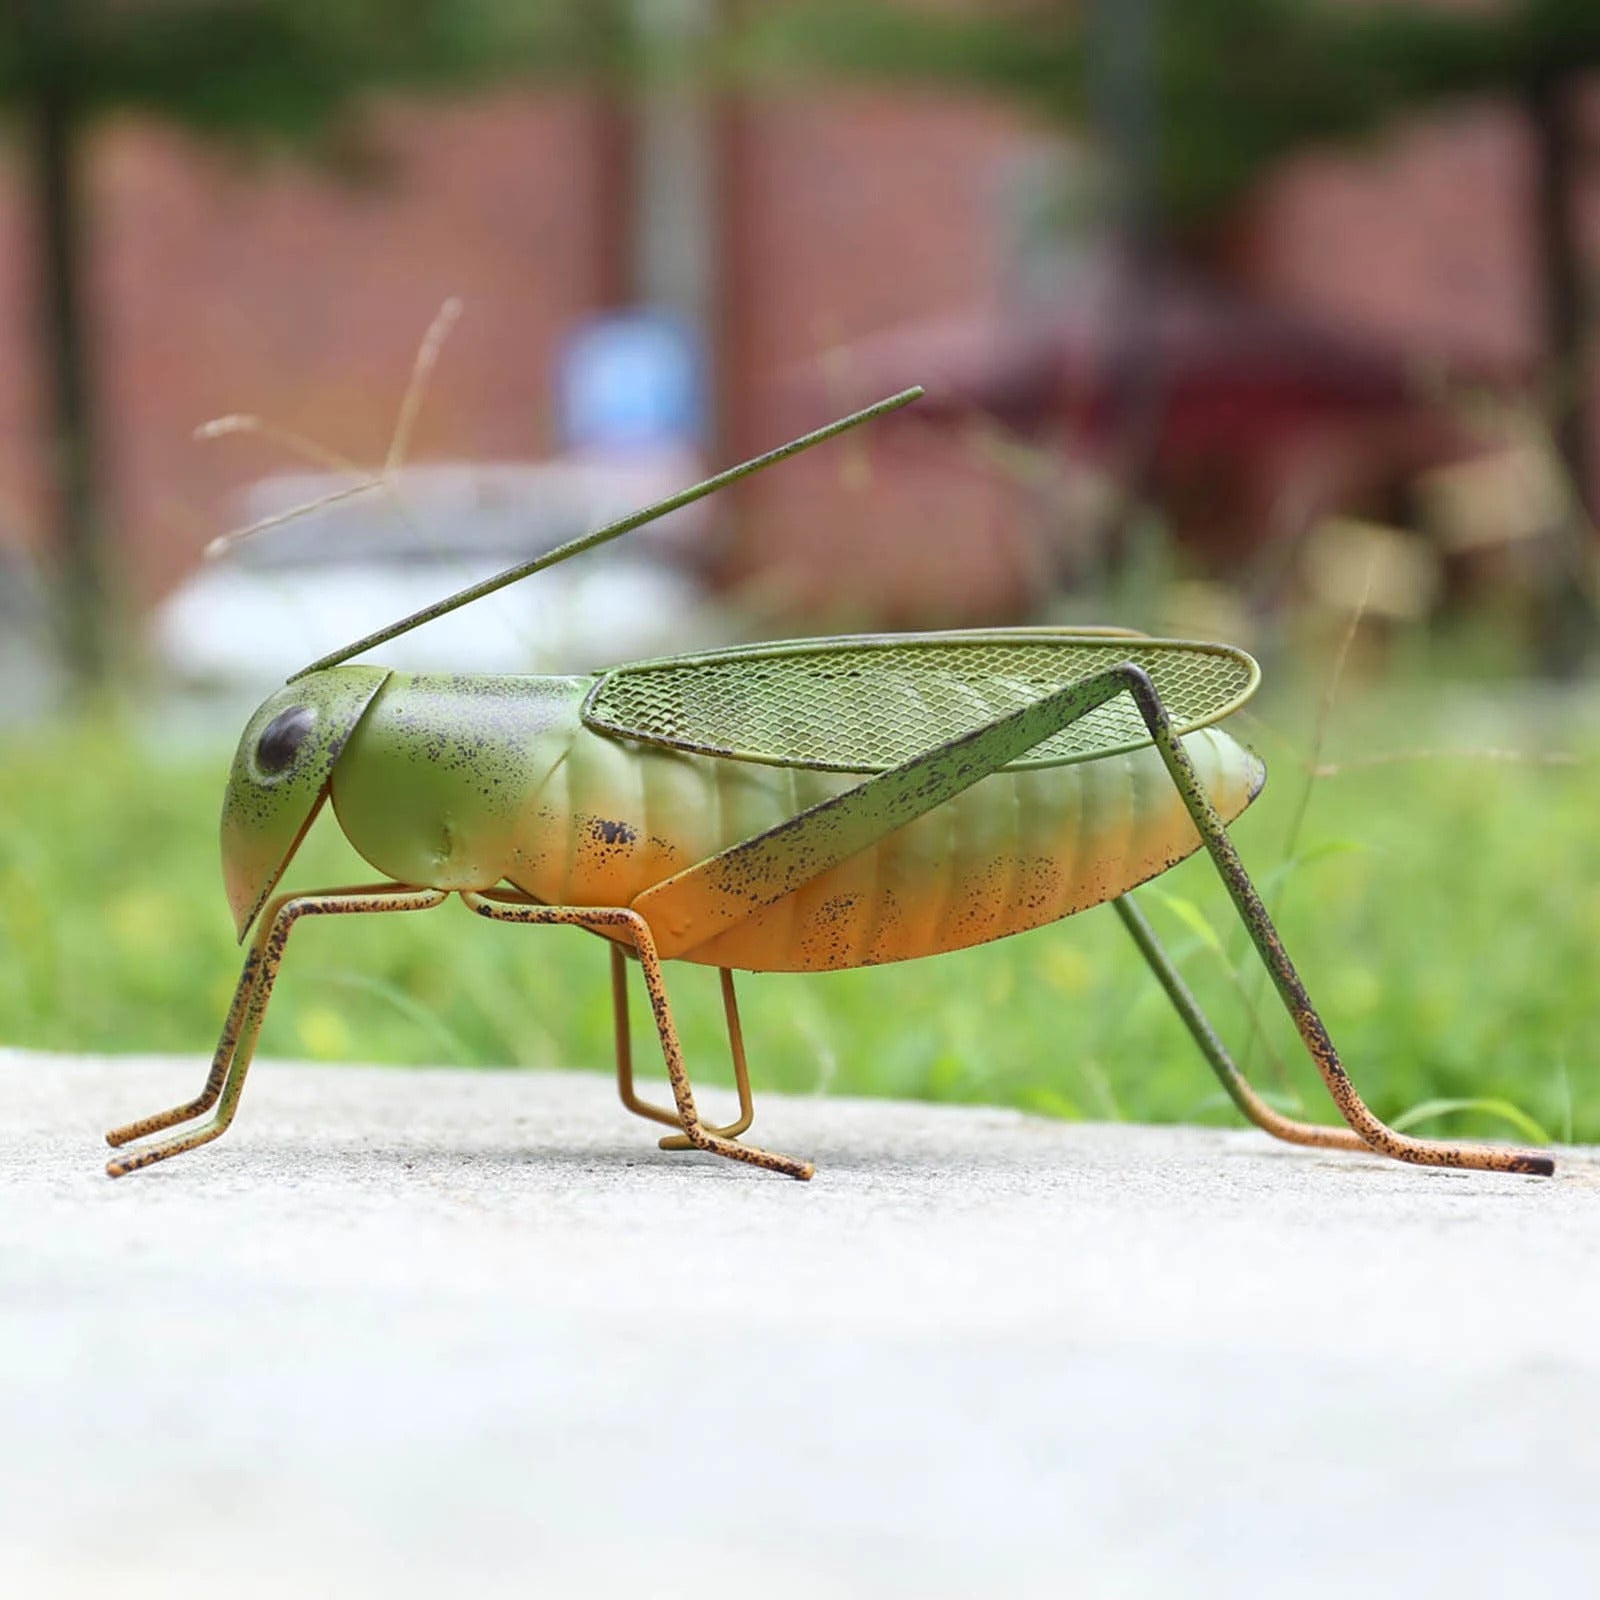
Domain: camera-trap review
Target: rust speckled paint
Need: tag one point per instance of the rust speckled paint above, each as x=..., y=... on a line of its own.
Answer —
x=802, y=806
x=466, y=783
x=500, y=790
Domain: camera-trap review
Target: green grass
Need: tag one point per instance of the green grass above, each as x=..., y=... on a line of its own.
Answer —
x=1445, y=913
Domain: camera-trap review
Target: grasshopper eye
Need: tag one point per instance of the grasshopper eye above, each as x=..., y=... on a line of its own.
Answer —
x=281, y=739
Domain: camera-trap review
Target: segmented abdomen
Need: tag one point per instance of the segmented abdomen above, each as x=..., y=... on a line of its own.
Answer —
x=1016, y=850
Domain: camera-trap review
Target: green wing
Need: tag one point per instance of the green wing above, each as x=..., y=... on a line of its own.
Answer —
x=868, y=703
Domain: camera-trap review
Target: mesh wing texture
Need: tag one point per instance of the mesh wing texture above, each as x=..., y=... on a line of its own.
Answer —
x=863, y=705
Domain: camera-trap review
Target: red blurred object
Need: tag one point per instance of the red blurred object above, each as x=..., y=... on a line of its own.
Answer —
x=1242, y=419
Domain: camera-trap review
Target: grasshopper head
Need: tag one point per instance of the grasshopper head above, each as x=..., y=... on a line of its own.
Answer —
x=280, y=778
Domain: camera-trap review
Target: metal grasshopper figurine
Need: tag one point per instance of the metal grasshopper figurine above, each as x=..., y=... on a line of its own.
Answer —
x=793, y=807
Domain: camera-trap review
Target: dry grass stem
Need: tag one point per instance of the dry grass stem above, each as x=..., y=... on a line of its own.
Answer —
x=1531, y=758
x=427, y=359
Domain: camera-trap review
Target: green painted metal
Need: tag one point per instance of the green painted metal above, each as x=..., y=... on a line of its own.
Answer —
x=765, y=869
x=268, y=806
x=441, y=780
x=868, y=704
x=1374, y=1134
x=467, y=781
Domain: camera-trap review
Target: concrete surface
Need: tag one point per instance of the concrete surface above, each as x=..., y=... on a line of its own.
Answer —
x=427, y=1333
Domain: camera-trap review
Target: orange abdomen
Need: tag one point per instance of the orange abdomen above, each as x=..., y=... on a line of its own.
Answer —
x=1017, y=850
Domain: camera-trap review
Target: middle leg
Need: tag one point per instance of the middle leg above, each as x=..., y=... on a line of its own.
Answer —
x=624, y=1043
x=512, y=906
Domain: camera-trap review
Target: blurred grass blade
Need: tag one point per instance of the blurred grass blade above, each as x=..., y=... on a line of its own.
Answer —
x=1195, y=920
x=417, y=1014
x=1326, y=850
x=1501, y=1109
x=1564, y=1082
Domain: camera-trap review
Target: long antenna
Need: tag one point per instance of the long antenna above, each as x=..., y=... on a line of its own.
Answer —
x=612, y=530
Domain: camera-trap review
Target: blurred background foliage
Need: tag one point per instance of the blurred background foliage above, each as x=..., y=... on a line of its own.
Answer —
x=1093, y=229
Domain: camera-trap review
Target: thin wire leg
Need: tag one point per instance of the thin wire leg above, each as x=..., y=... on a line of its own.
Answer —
x=1216, y=1053
x=503, y=906
x=625, y=1090
x=619, y=1019
x=232, y=1060
x=220, y=1060
x=741, y=1070
x=1374, y=1132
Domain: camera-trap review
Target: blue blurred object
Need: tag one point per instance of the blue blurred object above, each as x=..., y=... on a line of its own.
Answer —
x=633, y=380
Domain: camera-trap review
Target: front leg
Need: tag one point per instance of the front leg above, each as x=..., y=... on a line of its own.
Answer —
x=221, y=1060
x=237, y=1046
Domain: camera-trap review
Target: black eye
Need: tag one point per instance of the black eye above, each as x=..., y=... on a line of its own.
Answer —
x=282, y=737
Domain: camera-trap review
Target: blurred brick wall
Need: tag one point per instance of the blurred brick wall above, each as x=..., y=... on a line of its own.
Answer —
x=1427, y=235
x=222, y=284
x=853, y=214
x=21, y=466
